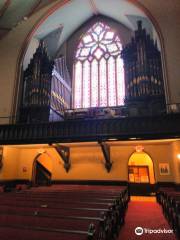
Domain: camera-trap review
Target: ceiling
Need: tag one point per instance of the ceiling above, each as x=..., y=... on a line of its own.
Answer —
x=65, y=20
x=13, y=12
x=72, y=15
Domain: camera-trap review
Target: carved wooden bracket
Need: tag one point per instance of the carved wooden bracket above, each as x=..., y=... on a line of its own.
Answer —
x=106, y=152
x=64, y=153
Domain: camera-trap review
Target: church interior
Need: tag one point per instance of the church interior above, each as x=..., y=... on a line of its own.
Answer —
x=89, y=119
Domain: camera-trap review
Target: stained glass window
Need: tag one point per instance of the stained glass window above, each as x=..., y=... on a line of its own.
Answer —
x=98, y=69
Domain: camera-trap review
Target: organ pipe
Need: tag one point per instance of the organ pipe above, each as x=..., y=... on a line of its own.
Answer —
x=142, y=62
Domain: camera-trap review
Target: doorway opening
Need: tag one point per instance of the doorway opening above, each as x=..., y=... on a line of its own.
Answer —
x=42, y=170
x=141, y=174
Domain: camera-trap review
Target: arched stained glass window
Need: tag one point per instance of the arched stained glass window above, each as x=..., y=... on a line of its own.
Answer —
x=98, y=69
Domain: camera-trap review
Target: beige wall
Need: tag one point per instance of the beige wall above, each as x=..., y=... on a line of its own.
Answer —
x=176, y=160
x=166, y=13
x=10, y=160
x=87, y=163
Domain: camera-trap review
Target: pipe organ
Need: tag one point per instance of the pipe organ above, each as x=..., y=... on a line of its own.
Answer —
x=46, y=91
x=143, y=74
x=60, y=89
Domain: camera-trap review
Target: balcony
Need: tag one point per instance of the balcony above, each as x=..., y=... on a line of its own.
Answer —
x=127, y=128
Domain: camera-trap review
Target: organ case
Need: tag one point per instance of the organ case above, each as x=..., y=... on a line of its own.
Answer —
x=46, y=90
x=143, y=74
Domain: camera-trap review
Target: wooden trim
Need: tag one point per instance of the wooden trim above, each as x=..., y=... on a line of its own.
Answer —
x=91, y=182
x=34, y=8
x=5, y=7
x=38, y=6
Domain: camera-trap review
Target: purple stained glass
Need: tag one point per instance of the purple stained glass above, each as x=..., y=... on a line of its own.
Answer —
x=111, y=82
x=98, y=72
x=103, y=83
x=86, y=84
x=94, y=84
x=78, y=85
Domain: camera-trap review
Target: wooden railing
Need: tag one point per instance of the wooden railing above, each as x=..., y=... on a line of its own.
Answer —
x=156, y=127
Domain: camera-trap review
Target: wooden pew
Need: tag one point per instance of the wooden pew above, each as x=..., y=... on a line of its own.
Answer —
x=106, y=206
x=170, y=202
x=8, y=232
x=57, y=222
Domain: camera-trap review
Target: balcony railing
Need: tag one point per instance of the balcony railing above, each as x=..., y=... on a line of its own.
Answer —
x=156, y=127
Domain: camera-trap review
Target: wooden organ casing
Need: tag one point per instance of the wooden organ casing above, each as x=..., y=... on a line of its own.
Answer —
x=143, y=74
x=44, y=96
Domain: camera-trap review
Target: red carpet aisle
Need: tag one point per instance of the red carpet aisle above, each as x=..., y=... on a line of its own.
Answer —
x=145, y=215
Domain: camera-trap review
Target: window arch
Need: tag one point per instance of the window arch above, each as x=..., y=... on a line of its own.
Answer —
x=98, y=69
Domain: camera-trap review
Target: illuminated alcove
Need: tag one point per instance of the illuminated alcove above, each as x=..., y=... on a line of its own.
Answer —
x=141, y=168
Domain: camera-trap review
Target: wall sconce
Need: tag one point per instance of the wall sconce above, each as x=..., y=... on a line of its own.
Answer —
x=178, y=156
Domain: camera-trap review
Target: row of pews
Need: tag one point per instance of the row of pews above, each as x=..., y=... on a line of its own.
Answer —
x=63, y=212
x=170, y=202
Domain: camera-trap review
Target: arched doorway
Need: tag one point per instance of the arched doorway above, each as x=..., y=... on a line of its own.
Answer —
x=141, y=174
x=41, y=170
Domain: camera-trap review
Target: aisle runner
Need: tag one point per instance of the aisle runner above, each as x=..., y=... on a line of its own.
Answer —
x=147, y=219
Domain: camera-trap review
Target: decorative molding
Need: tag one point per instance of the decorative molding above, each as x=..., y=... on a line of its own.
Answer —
x=38, y=6
x=34, y=8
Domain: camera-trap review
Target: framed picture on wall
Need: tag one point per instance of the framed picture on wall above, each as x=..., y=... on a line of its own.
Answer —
x=164, y=169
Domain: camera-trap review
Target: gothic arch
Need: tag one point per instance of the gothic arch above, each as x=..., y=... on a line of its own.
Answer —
x=50, y=11
x=143, y=159
x=34, y=165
